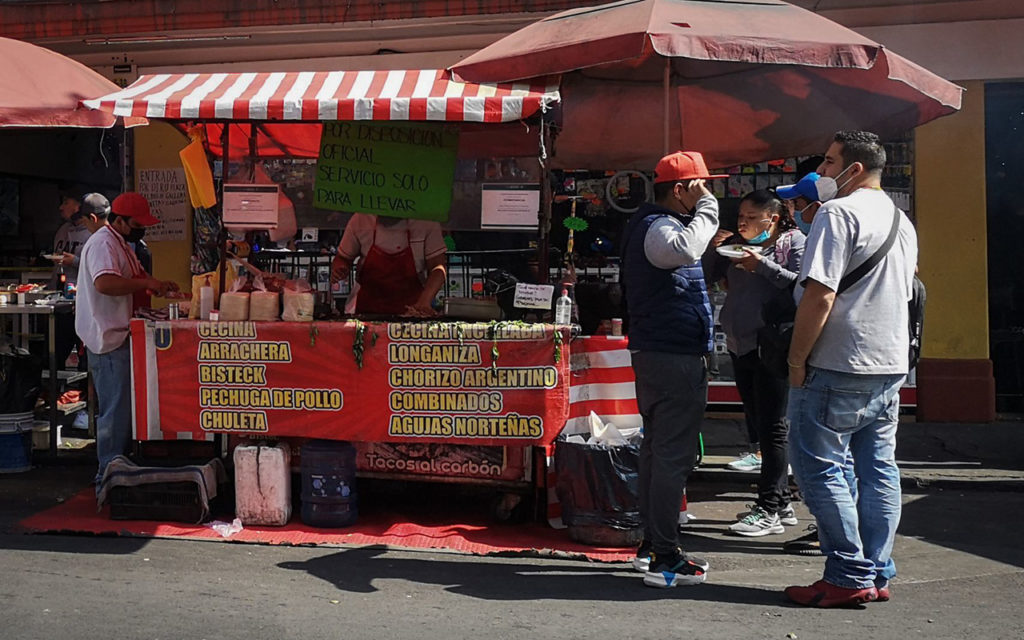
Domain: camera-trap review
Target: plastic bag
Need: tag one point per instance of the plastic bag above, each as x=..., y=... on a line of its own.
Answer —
x=234, y=306
x=264, y=306
x=299, y=301
x=598, y=485
x=607, y=433
x=225, y=529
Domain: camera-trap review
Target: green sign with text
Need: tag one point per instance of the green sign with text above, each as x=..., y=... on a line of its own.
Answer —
x=398, y=169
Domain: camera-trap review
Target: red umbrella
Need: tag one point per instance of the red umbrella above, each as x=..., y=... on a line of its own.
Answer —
x=740, y=80
x=41, y=88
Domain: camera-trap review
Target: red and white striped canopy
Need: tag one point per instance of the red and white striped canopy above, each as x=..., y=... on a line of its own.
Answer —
x=427, y=94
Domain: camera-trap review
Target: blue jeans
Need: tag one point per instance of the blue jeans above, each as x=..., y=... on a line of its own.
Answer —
x=834, y=417
x=112, y=376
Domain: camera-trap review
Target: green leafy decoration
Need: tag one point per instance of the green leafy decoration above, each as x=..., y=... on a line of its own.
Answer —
x=557, y=338
x=575, y=224
x=358, y=343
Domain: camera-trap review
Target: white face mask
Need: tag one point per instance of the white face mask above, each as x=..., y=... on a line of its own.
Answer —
x=828, y=188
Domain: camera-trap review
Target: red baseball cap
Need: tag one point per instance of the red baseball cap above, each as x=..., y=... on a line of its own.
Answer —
x=135, y=206
x=683, y=165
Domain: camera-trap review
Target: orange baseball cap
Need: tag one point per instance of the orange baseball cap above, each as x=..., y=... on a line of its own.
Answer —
x=683, y=165
x=133, y=205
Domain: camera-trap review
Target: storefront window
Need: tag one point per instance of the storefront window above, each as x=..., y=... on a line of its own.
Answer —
x=1004, y=148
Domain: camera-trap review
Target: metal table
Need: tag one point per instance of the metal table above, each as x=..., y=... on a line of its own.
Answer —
x=50, y=311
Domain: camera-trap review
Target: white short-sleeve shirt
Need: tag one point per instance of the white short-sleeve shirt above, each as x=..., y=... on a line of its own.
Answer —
x=867, y=331
x=425, y=237
x=101, y=321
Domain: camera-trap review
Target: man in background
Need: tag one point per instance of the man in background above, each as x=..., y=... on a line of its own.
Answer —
x=109, y=275
x=67, y=249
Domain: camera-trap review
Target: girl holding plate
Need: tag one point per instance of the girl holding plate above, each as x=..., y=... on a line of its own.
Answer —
x=760, y=263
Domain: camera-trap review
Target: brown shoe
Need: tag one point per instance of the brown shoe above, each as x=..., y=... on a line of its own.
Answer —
x=825, y=595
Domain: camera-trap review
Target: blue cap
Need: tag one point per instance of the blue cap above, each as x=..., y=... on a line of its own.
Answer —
x=807, y=187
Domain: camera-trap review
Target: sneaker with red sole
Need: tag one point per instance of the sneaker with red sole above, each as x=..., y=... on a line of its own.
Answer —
x=824, y=595
x=883, y=591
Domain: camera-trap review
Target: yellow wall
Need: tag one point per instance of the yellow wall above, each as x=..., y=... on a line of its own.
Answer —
x=157, y=147
x=951, y=224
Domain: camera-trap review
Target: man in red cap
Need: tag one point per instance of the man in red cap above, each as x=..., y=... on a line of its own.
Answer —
x=669, y=337
x=108, y=275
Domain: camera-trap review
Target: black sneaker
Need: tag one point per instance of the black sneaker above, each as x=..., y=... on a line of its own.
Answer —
x=805, y=545
x=675, y=569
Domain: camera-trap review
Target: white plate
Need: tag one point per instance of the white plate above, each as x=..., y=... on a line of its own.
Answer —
x=735, y=250
x=53, y=256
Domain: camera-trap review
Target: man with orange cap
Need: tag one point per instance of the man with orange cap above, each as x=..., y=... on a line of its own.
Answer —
x=669, y=337
x=109, y=274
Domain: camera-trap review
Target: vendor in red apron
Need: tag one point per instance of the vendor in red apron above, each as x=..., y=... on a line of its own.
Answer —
x=401, y=265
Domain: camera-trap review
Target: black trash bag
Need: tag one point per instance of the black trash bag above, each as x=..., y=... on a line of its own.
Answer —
x=21, y=380
x=598, y=485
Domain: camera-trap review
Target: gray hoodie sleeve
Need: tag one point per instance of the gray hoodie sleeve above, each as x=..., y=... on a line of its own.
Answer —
x=669, y=245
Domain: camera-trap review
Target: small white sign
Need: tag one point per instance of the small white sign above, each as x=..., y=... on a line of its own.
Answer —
x=251, y=206
x=310, y=234
x=509, y=206
x=533, y=296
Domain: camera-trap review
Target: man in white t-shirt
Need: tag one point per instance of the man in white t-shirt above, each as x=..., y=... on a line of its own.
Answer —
x=109, y=274
x=401, y=266
x=848, y=359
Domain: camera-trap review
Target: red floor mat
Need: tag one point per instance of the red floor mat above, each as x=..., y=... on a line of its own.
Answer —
x=79, y=515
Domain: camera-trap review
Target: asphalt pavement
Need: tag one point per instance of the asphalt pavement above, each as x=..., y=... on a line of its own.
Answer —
x=959, y=556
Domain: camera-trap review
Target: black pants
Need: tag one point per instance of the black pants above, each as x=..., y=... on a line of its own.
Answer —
x=764, y=404
x=671, y=391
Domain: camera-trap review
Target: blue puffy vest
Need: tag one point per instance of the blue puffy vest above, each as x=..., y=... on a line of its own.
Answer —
x=668, y=309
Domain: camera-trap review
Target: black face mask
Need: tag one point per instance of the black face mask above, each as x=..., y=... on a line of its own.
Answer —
x=135, y=235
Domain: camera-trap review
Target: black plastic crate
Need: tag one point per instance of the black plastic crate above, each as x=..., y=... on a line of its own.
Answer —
x=170, y=501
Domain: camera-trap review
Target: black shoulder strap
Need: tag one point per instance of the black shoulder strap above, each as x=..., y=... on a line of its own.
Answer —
x=851, y=278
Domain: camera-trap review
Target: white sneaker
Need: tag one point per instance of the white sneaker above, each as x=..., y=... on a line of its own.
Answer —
x=757, y=523
x=787, y=516
x=749, y=462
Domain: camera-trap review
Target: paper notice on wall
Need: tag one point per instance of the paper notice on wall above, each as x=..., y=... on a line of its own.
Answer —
x=167, y=193
x=509, y=206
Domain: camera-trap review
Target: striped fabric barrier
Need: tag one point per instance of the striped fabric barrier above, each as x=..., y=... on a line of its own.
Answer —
x=406, y=95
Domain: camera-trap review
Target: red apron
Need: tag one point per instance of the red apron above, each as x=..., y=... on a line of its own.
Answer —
x=388, y=282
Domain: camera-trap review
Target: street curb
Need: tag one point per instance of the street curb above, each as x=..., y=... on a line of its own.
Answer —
x=916, y=481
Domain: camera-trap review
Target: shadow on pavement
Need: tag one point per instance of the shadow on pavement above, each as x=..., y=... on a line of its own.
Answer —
x=979, y=523
x=73, y=543
x=356, y=570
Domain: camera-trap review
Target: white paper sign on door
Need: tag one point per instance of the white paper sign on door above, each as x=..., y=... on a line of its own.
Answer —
x=509, y=206
x=533, y=296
